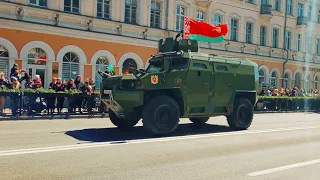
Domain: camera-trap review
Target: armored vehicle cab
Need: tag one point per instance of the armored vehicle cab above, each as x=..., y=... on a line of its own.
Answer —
x=180, y=82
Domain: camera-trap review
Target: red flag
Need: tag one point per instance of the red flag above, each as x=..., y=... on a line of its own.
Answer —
x=192, y=26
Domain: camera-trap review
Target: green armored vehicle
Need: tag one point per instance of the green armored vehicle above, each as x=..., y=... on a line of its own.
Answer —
x=180, y=82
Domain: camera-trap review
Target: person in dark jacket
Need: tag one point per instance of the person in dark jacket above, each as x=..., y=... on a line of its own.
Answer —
x=51, y=101
x=78, y=102
x=59, y=86
x=71, y=87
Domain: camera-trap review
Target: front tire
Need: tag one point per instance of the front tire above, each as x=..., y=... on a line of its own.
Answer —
x=123, y=123
x=161, y=115
x=242, y=115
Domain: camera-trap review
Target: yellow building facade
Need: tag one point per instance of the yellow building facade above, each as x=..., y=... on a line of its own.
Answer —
x=64, y=38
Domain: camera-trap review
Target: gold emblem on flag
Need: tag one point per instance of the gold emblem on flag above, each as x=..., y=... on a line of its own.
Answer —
x=154, y=79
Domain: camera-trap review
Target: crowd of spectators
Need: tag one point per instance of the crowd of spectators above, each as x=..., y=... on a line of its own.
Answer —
x=273, y=91
x=51, y=104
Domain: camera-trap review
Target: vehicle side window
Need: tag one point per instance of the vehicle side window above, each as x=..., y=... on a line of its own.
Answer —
x=199, y=66
x=222, y=68
x=179, y=64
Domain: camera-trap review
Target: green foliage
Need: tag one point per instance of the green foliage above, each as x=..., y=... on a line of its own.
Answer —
x=288, y=97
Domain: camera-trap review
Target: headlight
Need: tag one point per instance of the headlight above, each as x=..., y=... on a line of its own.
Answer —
x=133, y=84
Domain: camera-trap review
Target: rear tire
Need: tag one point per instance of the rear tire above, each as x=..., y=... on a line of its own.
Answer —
x=242, y=115
x=161, y=115
x=199, y=121
x=123, y=123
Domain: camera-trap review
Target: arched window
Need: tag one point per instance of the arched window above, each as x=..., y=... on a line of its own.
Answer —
x=37, y=56
x=316, y=82
x=4, y=61
x=297, y=80
x=70, y=66
x=286, y=80
x=307, y=85
x=262, y=78
x=274, y=79
x=127, y=63
x=101, y=65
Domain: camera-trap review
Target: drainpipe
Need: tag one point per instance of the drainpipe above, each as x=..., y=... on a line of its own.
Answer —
x=284, y=43
x=167, y=17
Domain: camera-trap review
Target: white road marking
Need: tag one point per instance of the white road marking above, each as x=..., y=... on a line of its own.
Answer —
x=258, y=173
x=138, y=141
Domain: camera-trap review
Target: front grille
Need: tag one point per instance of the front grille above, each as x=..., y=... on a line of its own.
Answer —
x=128, y=84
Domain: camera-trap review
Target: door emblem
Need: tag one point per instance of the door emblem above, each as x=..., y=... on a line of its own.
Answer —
x=178, y=80
x=154, y=79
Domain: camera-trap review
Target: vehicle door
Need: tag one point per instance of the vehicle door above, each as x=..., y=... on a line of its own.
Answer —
x=222, y=85
x=198, y=87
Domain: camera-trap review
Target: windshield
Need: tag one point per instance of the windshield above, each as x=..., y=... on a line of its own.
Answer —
x=156, y=65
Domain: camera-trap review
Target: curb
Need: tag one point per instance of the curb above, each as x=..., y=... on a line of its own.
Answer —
x=55, y=117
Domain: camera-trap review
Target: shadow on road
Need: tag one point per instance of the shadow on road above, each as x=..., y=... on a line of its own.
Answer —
x=114, y=134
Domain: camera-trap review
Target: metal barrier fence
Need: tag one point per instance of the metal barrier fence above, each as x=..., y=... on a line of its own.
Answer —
x=29, y=104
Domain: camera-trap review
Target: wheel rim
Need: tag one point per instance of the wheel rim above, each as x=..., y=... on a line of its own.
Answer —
x=163, y=116
x=244, y=115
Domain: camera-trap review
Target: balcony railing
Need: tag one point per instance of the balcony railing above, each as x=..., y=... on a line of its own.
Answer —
x=266, y=9
x=302, y=20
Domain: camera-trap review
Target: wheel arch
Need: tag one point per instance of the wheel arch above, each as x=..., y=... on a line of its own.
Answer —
x=174, y=93
x=250, y=95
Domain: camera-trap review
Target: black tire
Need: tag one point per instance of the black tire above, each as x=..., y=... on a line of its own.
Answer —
x=199, y=121
x=161, y=115
x=123, y=123
x=242, y=115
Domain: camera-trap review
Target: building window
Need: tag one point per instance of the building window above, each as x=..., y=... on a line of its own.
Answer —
x=155, y=14
x=309, y=13
x=249, y=28
x=274, y=79
x=72, y=6
x=316, y=82
x=234, y=30
x=288, y=40
x=101, y=65
x=130, y=11
x=70, y=66
x=217, y=19
x=103, y=9
x=298, y=42
x=262, y=77
x=4, y=60
x=180, y=12
x=300, y=10
x=286, y=81
x=200, y=16
x=126, y=64
x=307, y=85
x=277, y=5
x=289, y=7
x=263, y=37
x=37, y=56
x=250, y=1
x=318, y=16
x=297, y=81
x=264, y=2
x=308, y=45
x=318, y=47
x=41, y=3
x=275, y=38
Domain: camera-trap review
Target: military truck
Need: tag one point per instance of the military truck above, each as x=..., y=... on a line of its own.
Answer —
x=181, y=82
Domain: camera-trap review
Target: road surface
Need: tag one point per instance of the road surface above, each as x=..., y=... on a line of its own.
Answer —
x=276, y=147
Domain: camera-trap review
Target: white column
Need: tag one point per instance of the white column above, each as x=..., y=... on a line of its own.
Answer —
x=48, y=73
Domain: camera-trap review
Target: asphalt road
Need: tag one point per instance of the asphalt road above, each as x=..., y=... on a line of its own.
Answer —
x=276, y=147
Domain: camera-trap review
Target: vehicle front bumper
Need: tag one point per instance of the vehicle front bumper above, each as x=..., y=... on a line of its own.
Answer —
x=122, y=103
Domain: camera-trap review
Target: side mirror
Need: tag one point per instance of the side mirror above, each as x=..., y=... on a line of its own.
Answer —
x=166, y=64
